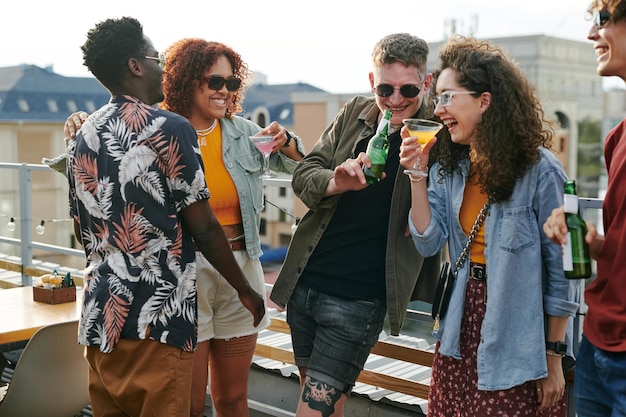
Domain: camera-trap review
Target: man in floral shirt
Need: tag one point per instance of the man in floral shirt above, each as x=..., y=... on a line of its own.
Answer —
x=138, y=197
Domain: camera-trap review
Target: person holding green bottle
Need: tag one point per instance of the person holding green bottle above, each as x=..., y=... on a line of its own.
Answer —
x=351, y=261
x=600, y=384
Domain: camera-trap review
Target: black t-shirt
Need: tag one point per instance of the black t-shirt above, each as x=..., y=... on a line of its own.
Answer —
x=349, y=260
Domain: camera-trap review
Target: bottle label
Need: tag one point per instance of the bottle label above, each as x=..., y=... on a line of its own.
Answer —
x=570, y=203
x=568, y=263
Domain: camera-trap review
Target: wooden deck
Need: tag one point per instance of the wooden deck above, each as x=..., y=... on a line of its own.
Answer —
x=395, y=377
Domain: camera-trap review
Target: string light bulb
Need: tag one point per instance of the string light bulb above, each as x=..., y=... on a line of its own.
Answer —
x=295, y=218
x=294, y=226
x=41, y=228
x=11, y=224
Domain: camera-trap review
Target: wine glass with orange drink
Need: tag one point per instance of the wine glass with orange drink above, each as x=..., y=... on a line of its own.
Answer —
x=423, y=130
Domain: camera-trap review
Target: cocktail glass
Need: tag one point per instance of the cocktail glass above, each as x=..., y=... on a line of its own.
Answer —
x=264, y=143
x=424, y=130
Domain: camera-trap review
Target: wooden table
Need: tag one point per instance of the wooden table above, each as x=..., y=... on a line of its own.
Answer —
x=21, y=317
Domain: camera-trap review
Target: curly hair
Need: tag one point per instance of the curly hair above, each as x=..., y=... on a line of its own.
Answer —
x=186, y=62
x=400, y=47
x=617, y=8
x=511, y=130
x=109, y=46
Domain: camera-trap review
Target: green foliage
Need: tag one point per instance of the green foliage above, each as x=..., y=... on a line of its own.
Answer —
x=589, y=132
x=590, y=164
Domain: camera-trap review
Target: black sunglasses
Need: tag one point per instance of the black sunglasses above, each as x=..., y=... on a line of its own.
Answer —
x=216, y=82
x=601, y=18
x=407, y=90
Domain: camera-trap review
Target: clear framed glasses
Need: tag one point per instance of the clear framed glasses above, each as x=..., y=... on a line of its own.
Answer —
x=601, y=18
x=446, y=98
x=160, y=58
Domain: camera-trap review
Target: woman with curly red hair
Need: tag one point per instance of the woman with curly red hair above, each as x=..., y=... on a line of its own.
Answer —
x=204, y=82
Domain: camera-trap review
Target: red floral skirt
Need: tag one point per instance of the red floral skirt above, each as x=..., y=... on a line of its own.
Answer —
x=454, y=383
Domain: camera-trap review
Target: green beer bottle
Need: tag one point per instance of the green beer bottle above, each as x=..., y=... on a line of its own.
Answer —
x=377, y=150
x=576, y=259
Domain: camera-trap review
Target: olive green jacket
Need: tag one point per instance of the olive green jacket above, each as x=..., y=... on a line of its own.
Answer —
x=356, y=121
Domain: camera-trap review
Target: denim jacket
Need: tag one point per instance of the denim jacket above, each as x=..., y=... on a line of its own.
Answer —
x=408, y=275
x=525, y=278
x=244, y=163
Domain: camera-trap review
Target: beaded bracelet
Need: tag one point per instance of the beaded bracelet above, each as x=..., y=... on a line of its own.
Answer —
x=550, y=353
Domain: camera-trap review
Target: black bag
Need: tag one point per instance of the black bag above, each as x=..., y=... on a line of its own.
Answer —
x=426, y=283
x=447, y=276
x=441, y=299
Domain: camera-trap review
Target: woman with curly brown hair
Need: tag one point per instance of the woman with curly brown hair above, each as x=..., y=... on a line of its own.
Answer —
x=204, y=82
x=501, y=345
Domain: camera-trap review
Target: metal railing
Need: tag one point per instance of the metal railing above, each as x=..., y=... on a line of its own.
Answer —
x=24, y=217
x=27, y=266
x=26, y=243
x=25, y=240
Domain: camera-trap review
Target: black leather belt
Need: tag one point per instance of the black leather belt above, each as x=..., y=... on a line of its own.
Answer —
x=478, y=271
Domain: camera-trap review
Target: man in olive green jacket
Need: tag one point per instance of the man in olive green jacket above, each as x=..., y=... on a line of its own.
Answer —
x=351, y=261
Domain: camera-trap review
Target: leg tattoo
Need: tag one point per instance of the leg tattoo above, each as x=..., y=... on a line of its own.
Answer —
x=319, y=396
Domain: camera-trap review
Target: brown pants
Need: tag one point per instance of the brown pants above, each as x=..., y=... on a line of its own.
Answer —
x=140, y=378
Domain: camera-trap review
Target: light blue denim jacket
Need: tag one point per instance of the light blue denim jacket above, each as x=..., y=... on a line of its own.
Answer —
x=525, y=279
x=244, y=163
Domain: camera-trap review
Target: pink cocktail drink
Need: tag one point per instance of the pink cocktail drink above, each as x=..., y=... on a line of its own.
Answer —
x=264, y=146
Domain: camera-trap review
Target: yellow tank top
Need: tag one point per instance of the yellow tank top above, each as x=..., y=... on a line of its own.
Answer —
x=224, y=199
x=473, y=200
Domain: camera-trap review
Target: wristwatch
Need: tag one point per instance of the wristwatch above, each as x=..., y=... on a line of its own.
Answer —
x=289, y=137
x=557, y=347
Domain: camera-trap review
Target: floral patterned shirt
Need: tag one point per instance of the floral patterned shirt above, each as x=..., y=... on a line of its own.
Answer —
x=131, y=170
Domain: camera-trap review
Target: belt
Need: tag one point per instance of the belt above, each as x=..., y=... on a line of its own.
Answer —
x=478, y=271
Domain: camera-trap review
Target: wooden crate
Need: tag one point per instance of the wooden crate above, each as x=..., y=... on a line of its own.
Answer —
x=54, y=296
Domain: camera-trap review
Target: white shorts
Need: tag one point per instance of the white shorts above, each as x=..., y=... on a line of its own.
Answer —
x=220, y=313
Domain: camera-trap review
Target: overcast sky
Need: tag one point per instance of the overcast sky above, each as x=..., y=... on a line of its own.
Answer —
x=326, y=43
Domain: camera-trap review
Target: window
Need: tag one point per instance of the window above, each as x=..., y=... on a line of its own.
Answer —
x=52, y=106
x=260, y=116
x=71, y=106
x=23, y=105
x=284, y=114
x=91, y=107
x=260, y=120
